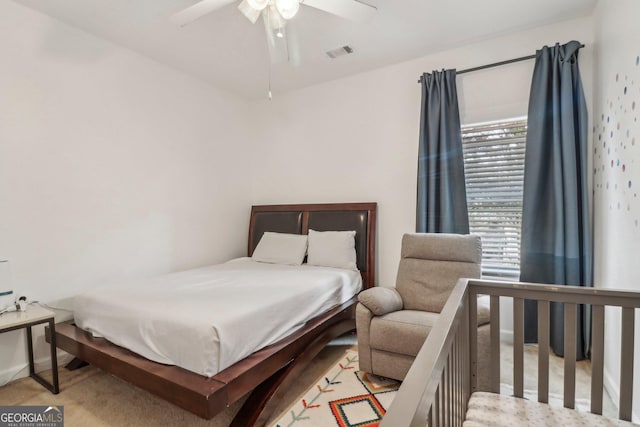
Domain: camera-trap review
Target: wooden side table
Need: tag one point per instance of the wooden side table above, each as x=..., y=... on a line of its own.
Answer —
x=34, y=315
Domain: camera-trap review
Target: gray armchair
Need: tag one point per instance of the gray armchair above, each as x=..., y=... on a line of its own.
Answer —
x=393, y=323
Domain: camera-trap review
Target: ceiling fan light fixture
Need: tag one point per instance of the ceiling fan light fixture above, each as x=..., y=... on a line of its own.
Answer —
x=287, y=8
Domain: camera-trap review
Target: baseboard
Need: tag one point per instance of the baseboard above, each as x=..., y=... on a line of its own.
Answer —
x=611, y=386
x=42, y=364
x=506, y=335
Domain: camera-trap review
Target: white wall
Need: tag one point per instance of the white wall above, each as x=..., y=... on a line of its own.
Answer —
x=616, y=133
x=356, y=139
x=111, y=166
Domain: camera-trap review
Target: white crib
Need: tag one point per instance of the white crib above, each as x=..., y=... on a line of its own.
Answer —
x=440, y=388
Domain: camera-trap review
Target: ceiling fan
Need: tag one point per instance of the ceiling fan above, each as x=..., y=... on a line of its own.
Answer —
x=275, y=14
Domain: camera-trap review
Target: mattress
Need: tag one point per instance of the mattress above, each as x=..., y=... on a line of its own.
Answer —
x=489, y=409
x=204, y=320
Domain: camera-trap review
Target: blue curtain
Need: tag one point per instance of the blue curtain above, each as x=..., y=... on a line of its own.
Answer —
x=442, y=198
x=556, y=242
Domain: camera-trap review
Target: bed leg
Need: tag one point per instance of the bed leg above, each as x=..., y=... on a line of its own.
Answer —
x=265, y=398
x=262, y=401
x=76, y=364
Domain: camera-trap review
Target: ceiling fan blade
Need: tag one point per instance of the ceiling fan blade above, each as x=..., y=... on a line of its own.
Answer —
x=197, y=11
x=249, y=12
x=354, y=10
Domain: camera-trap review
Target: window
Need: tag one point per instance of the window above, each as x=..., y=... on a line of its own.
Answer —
x=494, y=175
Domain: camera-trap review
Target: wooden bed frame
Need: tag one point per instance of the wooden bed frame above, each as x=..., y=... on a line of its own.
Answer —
x=266, y=371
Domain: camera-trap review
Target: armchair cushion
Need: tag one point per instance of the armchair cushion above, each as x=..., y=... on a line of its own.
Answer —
x=430, y=266
x=401, y=332
x=381, y=300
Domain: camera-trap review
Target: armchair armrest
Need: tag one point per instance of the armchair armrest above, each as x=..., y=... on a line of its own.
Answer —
x=381, y=300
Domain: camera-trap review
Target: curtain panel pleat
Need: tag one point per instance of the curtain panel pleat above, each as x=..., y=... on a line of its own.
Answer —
x=556, y=242
x=442, y=199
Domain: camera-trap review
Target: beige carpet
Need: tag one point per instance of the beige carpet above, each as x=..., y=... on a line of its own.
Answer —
x=94, y=398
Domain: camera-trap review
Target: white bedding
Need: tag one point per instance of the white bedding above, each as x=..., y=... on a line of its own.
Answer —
x=206, y=319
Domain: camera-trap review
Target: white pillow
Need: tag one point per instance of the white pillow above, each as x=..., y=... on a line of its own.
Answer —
x=332, y=249
x=281, y=248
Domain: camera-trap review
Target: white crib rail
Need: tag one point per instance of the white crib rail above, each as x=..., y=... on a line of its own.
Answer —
x=444, y=374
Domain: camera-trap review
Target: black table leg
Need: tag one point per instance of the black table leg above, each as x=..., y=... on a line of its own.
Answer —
x=52, y=387
x=32, y=369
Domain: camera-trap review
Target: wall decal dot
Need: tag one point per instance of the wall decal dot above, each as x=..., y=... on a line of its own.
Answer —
x=618, y=162
x=636, y=222
x=607, y=119
x=633, y=105
x=625, y=90
x=623, y=167
x=637, y=59
x=617, y=77
x=618, y=126
x=611, y=163
x=629, y=184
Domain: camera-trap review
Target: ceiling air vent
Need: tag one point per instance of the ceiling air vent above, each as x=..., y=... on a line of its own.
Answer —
x=341, y=51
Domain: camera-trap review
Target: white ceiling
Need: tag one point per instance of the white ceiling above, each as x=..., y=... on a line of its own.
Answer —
x=224, y=48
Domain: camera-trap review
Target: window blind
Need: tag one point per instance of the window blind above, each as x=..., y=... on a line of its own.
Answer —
x=494, y=174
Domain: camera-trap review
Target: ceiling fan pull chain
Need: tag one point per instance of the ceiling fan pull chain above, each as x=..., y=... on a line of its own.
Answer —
x=270, y=96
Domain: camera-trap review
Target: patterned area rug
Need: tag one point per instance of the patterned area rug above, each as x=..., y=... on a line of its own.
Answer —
x=344, y=397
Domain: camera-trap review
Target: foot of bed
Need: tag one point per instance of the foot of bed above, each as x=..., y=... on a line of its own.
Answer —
x=265, y=398
x=76, y=364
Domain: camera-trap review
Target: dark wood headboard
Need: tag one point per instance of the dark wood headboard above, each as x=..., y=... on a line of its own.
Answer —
x=298, y=219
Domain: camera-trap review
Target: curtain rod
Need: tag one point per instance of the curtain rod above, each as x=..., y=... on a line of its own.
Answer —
x=495, y=64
